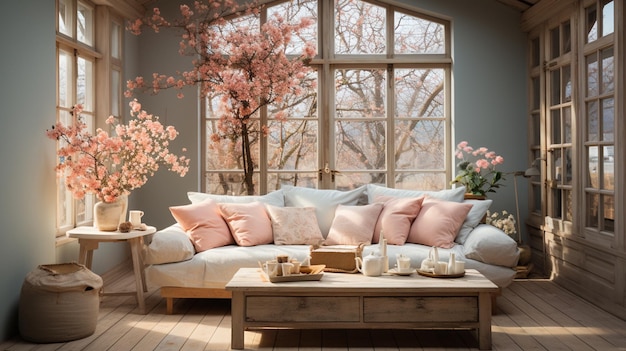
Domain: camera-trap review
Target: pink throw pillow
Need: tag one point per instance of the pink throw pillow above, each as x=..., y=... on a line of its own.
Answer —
x=353, y=225
x=438, y=222
x=248, y=222
x=204, y=224
x=396, y=218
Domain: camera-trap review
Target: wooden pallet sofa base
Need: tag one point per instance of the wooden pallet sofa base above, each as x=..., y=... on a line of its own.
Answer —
x=169, y=293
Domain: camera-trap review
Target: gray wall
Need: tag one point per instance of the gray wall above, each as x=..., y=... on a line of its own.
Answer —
x=28, y=100
x=489, y=110
x=490, y=90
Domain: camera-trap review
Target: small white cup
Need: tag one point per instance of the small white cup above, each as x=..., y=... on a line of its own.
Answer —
x=134, y=217
x=296, y=266
x=271, y=268
x=459, y=267
x=403, y=263
x=287, y=267
x=441, y=268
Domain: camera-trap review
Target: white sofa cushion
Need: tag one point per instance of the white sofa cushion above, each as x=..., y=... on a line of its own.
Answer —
x=274, y=198
x=324, y=201
x=374, y=190
x=169, y=245
x=491, y=245
x=475, y=215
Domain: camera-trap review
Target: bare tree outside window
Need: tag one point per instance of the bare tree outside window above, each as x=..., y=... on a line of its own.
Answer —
x=384, y=121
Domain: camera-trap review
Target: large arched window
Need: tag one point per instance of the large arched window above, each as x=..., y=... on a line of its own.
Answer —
x=380, y=112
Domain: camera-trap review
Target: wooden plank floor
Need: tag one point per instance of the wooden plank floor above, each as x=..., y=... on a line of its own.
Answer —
x=532, y=315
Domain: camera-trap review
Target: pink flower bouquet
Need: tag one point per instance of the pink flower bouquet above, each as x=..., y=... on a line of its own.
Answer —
x=477, y=169
x=111, y=166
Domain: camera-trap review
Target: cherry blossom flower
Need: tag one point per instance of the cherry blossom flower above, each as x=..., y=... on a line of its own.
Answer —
x=246, y=68
x=111, y=166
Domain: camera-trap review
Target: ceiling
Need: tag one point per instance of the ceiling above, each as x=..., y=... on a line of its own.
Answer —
x=521, y=5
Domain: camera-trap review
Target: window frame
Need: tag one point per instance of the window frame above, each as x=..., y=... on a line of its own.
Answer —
x=109, y=99
x=325, y=63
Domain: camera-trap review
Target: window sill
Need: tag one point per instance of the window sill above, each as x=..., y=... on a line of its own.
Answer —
x=63, y=240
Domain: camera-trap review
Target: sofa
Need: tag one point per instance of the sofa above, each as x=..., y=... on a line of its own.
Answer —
x=215, y=235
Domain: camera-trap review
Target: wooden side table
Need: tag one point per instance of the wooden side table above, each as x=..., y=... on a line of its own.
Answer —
x=90, y=237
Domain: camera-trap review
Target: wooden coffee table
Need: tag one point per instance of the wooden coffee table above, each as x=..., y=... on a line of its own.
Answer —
x=349, y=301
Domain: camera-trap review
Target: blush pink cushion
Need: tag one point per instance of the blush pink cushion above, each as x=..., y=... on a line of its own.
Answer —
x=396, y=218
x=294, y=225
x=204, y=224
x=248, y=223
x=438, y=222
x=353, y=225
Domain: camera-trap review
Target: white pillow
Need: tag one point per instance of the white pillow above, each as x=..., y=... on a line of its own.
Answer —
x=489, y=244
x=374, y=190
x=274, y=198
x=294, y=225
x=475, y=215
x=171, y=244
x=323, y=200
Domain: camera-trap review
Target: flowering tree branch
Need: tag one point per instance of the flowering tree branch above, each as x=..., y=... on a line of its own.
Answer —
x=247, y=68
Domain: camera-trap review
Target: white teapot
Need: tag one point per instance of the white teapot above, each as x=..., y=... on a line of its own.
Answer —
x=371, y=265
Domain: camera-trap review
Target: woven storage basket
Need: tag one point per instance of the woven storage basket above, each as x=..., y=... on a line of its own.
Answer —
x=59, y=303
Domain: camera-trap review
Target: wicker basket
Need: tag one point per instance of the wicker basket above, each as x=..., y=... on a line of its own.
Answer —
x=59, y=303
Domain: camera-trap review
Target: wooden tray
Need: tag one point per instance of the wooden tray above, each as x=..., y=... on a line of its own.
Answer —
x=307, y=273
x=433, y=275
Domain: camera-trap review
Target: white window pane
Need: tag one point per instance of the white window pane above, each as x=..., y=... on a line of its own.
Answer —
x=116, y=40
x=115, y=93
x=359, y=28
x=420, y=144
x=294, y=11
x=360, y=145
x=607, y=72
x=224, y=146
x=65, y=72
x=360, y=93
x=421, y=181
x=85, y=84
x=420, y=93
x=414, y=35
x=66, y=18
x=84, y=24
x=591, y=23
x=276, y=180
x=292, y=145
x=608, y=25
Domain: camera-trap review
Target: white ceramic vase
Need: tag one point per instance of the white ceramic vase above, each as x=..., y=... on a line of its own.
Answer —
x=107, y=216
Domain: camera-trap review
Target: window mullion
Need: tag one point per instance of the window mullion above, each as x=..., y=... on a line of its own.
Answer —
x=390, y=139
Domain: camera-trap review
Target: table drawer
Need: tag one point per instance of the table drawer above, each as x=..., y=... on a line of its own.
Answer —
x=302, y=309
x=421, y=309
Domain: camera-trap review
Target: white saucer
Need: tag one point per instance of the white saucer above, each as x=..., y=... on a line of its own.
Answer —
x=395, y=271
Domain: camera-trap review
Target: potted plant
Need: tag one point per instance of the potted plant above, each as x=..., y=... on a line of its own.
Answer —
x=477, y=170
